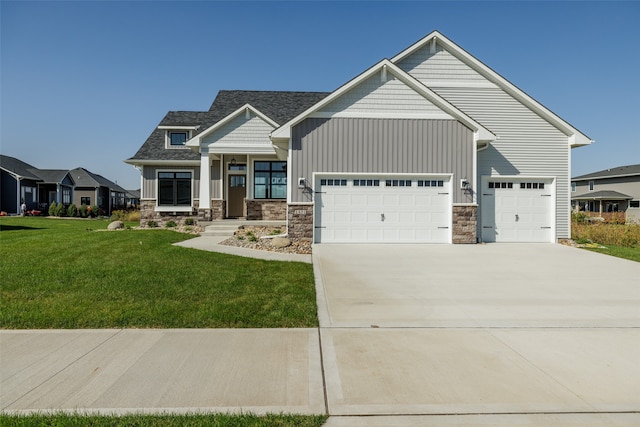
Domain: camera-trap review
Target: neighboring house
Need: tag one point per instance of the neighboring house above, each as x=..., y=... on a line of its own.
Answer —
x=429, y=146
x=132, y=199
x=610, y=194
x=36, y=187
x=95, y=190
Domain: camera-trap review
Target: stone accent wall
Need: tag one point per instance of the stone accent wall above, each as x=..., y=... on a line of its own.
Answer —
x=148, y=213
x=465, y=222
x=266, y=209
x=300, y=222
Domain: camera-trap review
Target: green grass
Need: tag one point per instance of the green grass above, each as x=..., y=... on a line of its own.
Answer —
x=62, y=273
x=215, y=420
x=632, y=254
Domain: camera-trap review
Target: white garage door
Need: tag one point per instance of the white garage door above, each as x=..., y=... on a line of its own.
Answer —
x=378, y=209
x=517, y=209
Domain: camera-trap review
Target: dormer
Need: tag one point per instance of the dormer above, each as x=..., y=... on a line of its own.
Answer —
x=176, y=137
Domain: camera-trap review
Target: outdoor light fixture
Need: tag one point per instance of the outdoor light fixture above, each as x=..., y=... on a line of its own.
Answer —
x=233, y=161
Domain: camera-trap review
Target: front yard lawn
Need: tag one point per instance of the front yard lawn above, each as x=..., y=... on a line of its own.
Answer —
x=619, y=251
x=63, y=273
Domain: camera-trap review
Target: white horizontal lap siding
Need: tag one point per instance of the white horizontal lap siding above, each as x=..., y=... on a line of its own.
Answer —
x=241, y=131
x=390, y=97
x=439, y=66
x=526, y=145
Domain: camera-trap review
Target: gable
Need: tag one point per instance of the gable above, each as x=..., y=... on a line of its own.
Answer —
x=245, y=131
x=439, y=63
x=435, y=66
x=382, y=95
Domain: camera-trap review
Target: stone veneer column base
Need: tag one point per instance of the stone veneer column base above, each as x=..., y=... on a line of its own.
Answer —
x=465, y=223
x=300, y=222
x=275, y=210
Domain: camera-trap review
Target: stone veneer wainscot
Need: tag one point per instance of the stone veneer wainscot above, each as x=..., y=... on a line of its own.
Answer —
x=465, y=223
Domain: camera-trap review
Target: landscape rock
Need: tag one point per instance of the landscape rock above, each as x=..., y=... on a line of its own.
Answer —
x=116, y=225
x=280, y=242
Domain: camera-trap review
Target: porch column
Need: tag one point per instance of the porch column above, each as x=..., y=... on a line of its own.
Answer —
x=205, y=179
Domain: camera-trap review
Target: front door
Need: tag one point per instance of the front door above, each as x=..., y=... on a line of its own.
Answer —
x=237, y=192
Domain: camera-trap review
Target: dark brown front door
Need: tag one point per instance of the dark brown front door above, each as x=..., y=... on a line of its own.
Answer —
x=237, y=192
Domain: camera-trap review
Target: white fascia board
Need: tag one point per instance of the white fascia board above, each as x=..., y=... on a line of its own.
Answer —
x=163, y=162
x=179, y=127
x=196, y=140
x=283, y=133
x=241, y=149
x=481, y=132
x=579, y=138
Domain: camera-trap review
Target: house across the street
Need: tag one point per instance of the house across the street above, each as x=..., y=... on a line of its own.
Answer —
x=37, y=188
x=611, y=194
x=430, y=146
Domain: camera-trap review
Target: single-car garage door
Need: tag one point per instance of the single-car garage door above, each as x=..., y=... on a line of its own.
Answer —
x=382, y=208
x=517, y=209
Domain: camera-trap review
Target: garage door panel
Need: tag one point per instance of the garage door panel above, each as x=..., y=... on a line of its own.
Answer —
x=395, y=213
x=517, y=209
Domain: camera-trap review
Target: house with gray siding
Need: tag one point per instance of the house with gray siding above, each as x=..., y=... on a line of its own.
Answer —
x=611, y=194
x=430, y=146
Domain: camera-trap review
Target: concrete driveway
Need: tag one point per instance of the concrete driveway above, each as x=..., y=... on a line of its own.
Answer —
x=547, y=334
x=495, y=285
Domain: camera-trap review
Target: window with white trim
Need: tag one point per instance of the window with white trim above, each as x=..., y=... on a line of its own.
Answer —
x=591, y=185
x=634, y=204
x=174, y=188
x=573, y=187
x=177, y=138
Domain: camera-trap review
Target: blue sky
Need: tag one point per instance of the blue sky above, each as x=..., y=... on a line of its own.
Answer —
x=84, y=83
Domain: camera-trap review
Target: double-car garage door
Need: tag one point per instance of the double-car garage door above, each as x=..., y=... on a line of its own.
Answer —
x=383, y=208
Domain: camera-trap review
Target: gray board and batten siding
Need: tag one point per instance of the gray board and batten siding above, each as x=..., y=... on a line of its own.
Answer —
x=384, y=146
x=527, y=144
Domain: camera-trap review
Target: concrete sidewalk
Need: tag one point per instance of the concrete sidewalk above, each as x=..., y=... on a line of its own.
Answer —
x=152, y=371
x=212, y=244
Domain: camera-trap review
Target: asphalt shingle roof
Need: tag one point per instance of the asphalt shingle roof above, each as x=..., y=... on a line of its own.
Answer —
x=278, y=106
x=602, y=195
x=18, y=167
x=619, y=171
x=85, y=178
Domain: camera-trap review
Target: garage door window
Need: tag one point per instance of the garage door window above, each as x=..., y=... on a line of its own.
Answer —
x=502, y=185
x=334, y=182
x=398, y=183
x=430, y=183
x=366, y=182
x=532, y=185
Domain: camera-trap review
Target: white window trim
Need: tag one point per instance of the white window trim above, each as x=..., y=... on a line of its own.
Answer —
x=591, y=185
x=573, y=187
x=185, y=208
x=167, y=138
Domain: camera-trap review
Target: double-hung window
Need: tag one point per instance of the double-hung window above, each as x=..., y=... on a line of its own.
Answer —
x=270, y=180
x=174, y=188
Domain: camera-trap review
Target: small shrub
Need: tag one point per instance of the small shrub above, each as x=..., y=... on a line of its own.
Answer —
x=83, y=211
x=189, y=221
x=60, y=210
x=52, y=209
x=252, y=238
x=118, y=215
x=170, y=224
x=240, y=237
x=275, y=232
x=72, y=210
x=152, y=224
x=95, y=211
